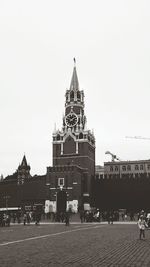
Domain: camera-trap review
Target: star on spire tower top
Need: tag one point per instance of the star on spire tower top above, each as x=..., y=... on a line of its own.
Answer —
x=74, y=85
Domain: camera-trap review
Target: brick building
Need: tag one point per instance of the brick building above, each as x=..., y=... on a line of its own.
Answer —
x=124, y=169
x=123, y=185
x=21, y=189
x=73, y=168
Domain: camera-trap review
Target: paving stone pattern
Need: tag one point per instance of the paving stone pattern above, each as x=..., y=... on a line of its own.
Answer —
x=97, y=245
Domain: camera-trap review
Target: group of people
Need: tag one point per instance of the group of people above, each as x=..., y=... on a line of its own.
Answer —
x=97, y=216
x=143, y=223
x=85, y=216
x=4, y=219
x=143, y=219
x=26, y=217
x=63, y=217
x=31, y=217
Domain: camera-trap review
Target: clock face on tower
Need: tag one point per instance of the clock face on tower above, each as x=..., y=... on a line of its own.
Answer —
x=71, y=119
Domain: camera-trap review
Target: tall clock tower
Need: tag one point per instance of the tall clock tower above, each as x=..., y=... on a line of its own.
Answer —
x=74, y=147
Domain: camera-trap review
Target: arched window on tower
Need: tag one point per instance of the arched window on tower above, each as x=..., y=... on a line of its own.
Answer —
x=58, y=137
x=78, y=96
x=72, y=96
x=81, y=136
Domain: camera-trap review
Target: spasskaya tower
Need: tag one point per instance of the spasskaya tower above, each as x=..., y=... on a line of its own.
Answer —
x=73, y=152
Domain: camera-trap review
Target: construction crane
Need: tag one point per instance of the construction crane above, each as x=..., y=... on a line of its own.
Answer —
x=138, y=137
x=114, y=157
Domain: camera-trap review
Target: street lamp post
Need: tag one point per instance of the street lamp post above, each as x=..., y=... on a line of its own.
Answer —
x=6, y=201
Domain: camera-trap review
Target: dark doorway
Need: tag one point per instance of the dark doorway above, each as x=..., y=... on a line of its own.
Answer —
x=61, y=201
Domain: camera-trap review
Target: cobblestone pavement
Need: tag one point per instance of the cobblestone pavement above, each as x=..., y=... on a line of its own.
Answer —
x=77, y=245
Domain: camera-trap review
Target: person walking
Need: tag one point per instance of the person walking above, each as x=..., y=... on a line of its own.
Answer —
x=24, y=218
x=67, y=218
x=142, y=225
x=82, y=216
x=37, y=217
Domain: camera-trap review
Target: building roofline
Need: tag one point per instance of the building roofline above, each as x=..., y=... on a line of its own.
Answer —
x=127, y=162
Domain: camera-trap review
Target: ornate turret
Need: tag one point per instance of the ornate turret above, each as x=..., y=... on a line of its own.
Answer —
x=74, y=96
x=23, y=171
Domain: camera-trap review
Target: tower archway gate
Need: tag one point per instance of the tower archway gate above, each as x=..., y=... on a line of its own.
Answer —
x=61, y=201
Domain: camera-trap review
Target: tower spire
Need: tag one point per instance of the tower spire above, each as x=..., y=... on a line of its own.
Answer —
x=24, y=161
x=74, y=85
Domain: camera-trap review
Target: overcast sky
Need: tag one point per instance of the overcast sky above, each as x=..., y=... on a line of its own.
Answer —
x=38, y=41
